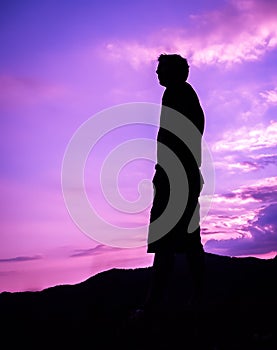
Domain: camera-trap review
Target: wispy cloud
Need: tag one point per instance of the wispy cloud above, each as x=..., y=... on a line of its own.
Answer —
x=245, y=164
x=104, y=257
x=21, y=258
x=270, y=96
x=23, y=90
x=99, y=249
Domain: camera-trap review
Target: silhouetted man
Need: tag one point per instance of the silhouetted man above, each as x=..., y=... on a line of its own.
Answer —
x=184, y=235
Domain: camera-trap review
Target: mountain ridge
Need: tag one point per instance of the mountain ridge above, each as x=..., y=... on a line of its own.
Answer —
x=240, y=298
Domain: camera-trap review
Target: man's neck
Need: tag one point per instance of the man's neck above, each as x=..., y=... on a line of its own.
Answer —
x=175, y=84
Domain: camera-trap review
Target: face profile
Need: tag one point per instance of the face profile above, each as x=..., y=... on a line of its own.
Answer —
x=163, y=75
x=172, y=70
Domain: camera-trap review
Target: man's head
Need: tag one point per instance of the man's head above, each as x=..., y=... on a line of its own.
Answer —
x=172, y=69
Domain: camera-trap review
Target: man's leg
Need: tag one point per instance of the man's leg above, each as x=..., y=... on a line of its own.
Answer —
x=196, y=261
x=163, y=267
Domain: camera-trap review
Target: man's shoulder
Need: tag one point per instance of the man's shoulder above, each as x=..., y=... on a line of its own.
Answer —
x=189, y=88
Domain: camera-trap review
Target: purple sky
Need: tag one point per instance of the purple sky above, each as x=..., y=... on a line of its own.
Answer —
x=63, y=62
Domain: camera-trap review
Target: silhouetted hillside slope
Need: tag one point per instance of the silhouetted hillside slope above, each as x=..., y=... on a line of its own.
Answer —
x=239, y=311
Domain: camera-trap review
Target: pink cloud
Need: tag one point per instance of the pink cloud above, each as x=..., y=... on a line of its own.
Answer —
x=240, y=31
x=262, y=238
x=234, y=164
x=232, y=168
x=270, y=96
x=243, y=221
x=248, y=138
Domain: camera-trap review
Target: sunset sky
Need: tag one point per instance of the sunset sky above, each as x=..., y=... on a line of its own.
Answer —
x=63, y=62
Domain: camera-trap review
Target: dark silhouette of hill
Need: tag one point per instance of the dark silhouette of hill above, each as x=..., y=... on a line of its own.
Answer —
x=239, y=311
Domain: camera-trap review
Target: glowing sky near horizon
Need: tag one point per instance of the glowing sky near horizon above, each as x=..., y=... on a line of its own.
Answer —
x=64, y=61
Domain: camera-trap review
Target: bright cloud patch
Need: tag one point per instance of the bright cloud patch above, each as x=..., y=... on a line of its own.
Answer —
x=246, y=139
x=270, y=96
x=246, y=150
x=234, y=34
x=246, y=223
